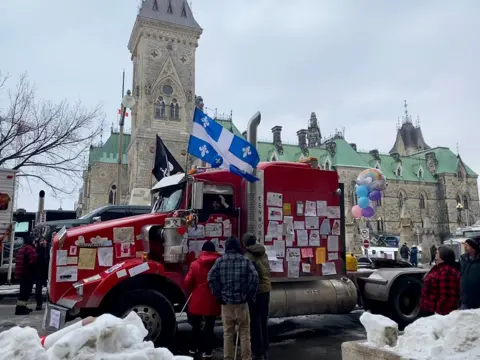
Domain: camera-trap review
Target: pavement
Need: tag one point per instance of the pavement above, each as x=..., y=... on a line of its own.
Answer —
x=305, y=337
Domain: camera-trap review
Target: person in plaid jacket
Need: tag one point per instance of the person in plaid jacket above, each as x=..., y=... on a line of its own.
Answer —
x=441, y=286
x=233, y=280
x=25, y=266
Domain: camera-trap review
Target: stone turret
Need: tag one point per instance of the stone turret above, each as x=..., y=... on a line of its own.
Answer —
x=406, y=231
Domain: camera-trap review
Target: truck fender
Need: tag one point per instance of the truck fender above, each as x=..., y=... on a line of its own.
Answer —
x=118, y=273
x=380, y=282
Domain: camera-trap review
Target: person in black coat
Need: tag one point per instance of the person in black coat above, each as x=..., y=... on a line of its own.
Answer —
x=41, y=275
x=470, y=275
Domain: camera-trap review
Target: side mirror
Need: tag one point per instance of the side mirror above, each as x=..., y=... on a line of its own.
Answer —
x=96, y=219
x=197, y=195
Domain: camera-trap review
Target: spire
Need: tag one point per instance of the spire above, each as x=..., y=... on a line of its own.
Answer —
x=407, y=118
x=314, y=134
x=418, y=121
x=177, y=12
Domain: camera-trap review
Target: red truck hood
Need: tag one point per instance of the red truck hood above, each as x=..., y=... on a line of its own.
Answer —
x=105, y=228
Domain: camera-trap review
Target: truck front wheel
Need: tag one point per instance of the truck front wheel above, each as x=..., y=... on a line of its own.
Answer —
x=404, y=300
x=154, y=309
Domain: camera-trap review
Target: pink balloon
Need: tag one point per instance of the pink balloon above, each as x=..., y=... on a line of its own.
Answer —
x=357, y=212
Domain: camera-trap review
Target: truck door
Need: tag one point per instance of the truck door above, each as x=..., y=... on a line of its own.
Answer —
x=217, y=221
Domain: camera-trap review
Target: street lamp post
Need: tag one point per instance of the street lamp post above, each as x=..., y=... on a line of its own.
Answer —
x=459, y=209
x=128, y=101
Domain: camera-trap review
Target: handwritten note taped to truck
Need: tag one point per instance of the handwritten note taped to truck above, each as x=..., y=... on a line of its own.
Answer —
x=124, y=235
x=87, y=258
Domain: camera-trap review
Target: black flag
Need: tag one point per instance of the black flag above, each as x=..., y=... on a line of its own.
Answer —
x=165, y=163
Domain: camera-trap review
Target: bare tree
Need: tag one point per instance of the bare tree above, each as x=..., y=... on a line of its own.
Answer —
x=44, y=140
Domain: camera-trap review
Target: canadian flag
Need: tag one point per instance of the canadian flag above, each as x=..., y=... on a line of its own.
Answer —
x=120, y=112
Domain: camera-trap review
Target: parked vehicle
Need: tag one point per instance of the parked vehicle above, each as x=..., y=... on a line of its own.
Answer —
x=142, y=260
x=7, y=230
x=104, y=213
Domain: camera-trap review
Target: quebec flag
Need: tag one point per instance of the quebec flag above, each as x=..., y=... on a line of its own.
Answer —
x=212, y=143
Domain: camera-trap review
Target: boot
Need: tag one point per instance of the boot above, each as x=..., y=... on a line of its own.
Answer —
x=22, y=310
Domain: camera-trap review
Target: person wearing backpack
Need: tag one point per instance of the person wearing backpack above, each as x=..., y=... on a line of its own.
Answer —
x=259, y=309
x=25, y=266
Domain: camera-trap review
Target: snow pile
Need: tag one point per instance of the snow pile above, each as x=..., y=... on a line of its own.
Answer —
x=381, y=331
x=455, y=336
x=107, y=338
x=21, y=344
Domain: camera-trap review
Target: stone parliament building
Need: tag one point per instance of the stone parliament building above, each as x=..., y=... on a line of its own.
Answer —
x=425, y=183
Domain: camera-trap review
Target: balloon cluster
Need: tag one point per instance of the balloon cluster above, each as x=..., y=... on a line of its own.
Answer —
x=370, y=184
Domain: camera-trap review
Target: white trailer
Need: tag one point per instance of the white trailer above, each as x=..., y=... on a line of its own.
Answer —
x=7, y=227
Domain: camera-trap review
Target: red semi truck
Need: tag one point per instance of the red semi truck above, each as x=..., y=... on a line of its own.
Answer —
x=296, y=210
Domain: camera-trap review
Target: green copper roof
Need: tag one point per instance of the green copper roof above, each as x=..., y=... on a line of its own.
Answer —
x=230, y=126
x=108, y=152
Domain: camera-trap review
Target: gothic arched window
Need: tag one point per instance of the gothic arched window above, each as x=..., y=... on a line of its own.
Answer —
x=401, y=200
x=177, y=112
x=112, y=195
x=327, y=165
x=160, y=108
x=172, y=111
x=422, y=201
x=465, y=202
x=459, y=200
x=378, y=202
x=354, y=198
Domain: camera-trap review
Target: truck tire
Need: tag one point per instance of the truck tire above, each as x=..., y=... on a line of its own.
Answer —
x=404, y=300
x=154, y=309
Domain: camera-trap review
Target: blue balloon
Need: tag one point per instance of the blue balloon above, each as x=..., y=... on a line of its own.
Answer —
x=217, y=161
x=362, y=191
x=363, y=202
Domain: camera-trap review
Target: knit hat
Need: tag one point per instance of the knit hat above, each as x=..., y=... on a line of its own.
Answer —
x=232, y=244
x=474, y=243
x=248, y=239
x=209, y=246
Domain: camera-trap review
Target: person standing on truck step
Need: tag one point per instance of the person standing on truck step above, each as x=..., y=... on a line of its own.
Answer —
x=259, y=309
x=25, y=266
x=233, y=280
x=203, y=306
x=441, y=286
x=41, y=273
x=404, y=252
x=470, y=275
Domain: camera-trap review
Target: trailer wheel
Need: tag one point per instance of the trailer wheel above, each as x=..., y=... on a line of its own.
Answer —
x=405, y=300
x=154, y=309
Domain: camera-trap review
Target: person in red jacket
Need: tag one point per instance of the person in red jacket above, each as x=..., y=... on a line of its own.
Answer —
x=25, y=264
x=203, y=306
x=441, y=286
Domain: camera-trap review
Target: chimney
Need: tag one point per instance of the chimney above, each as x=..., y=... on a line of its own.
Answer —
x=277, y=139
x=354, y=146
x=277, y=134
x=302, y=138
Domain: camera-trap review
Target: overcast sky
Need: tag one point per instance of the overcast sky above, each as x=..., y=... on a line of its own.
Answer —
x=352, y=62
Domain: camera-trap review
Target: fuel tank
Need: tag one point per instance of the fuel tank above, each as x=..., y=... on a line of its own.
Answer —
x=320, y=296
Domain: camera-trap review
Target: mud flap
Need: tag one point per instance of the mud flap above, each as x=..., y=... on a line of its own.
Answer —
x=54, y=318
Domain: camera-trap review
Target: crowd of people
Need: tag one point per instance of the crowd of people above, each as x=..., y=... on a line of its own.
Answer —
x=235, y=285
x=452, y=285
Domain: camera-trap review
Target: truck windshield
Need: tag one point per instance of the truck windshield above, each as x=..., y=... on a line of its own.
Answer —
x=93, y=213
x=170, y=198
x=471, y=234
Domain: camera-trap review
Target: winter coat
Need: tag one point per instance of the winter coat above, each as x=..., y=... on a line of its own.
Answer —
x=202, y=301
x=256, y=253
x=441, y=290
x=404, y=252
x=233, y=279
x=414, y=255
x=43, y=257
x=433, y=250
x=25, y=261
x=470, y=282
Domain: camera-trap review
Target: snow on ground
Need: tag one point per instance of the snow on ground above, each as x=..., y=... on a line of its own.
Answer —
x=107, y=338
x=455, y=336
